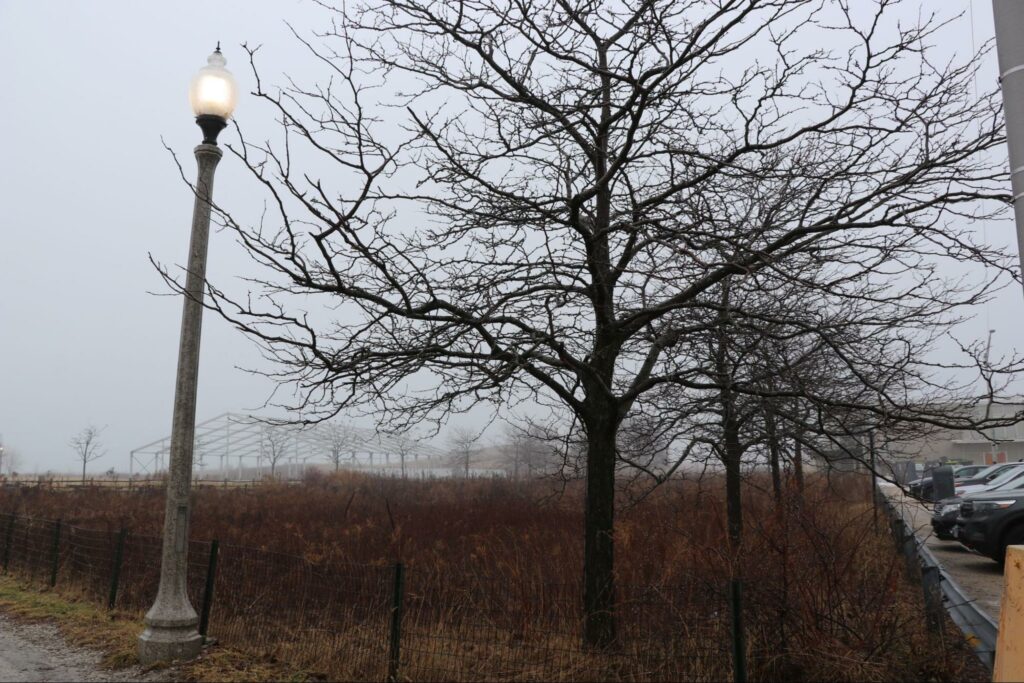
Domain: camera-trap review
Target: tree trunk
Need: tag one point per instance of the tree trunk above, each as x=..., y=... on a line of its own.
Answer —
x=773, y=455
x=798, y=465
x=598, y=553
x=84, y=462
x=732, y=450
x=733, y=489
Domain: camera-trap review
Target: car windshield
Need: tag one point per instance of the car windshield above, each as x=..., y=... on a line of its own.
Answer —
x=1012, y=485
x=1007, y=476
x=988, y=471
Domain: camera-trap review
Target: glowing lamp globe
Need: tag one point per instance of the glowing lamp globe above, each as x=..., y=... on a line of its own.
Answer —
x=213, y=95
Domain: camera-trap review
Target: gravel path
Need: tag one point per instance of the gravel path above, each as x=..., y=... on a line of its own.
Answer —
x=980, y=577
x=37, y=652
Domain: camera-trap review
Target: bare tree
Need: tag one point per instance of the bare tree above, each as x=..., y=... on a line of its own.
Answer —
x=462, y=443
x=276, y=442
x=339, y=439
x=560, y=187
x=405, y=445
x=87, y=446
x=513, y=451
x=12, y=461
x=199, y=455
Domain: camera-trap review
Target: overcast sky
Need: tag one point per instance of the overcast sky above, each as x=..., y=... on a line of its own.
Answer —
x=87, y=90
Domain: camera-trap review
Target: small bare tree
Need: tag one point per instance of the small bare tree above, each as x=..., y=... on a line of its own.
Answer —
x=199, y=455
x=275, y=445
x=339, y=438
x=87, y=446
x=405, y=445
x=513, y=451
x=11, y=462
x=462, y=441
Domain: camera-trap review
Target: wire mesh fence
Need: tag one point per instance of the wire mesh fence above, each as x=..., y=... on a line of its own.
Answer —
x=384, y=622
x=488, y=629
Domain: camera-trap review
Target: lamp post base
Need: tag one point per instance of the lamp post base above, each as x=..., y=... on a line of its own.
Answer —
x=163, y=644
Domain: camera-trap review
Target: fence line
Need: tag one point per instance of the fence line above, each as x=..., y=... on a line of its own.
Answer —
x=389, y=622
x=395, y=622
x=940, y=590
x=131, y=484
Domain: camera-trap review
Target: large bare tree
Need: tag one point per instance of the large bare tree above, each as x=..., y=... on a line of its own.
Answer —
x=543, y=222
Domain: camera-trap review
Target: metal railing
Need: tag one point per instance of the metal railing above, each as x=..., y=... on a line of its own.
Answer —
x=941, y=591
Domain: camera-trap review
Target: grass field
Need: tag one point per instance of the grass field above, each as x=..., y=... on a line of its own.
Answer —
x=493, y=574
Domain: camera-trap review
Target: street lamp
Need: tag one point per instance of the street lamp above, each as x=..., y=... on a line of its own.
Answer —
x=172, y=623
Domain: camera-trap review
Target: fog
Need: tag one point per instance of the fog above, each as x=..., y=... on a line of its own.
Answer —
x=88, y=91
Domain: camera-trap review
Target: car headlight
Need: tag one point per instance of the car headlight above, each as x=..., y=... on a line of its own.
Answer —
x=988, y=505
x=948, y=508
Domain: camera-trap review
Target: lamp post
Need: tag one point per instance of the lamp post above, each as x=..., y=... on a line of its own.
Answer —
x=172, y=623
x=1009, y=21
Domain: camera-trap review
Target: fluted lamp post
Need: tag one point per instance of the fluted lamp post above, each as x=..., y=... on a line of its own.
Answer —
x=172, y=623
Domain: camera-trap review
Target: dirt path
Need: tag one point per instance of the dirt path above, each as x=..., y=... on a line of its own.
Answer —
x=980, y=577
x=37, y=652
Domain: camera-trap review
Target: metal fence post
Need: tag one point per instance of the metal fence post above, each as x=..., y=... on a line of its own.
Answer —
x=930, y=584
x=115, y=573
x=211, y=575
x=739, y=645
x=910, y=555
x=8, y=541
x=897, y=532
x=55, y=561
x=395, y=651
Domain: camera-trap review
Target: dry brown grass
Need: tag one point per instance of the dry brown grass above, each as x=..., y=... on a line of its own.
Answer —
x=493, y=571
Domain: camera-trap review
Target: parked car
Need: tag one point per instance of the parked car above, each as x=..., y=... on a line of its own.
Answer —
x=947, y=511
x=1010, y=472
x=987, y=475
x=989, y=522
x=944, y=518
x=969, y=471
x=922, y=488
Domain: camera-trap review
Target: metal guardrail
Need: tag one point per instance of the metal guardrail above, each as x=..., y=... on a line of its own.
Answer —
x=979, y=629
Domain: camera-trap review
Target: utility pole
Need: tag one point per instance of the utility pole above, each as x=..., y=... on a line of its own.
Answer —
x=1009, y=21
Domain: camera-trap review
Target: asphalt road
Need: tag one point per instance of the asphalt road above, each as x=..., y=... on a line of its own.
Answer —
x=980, y=577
